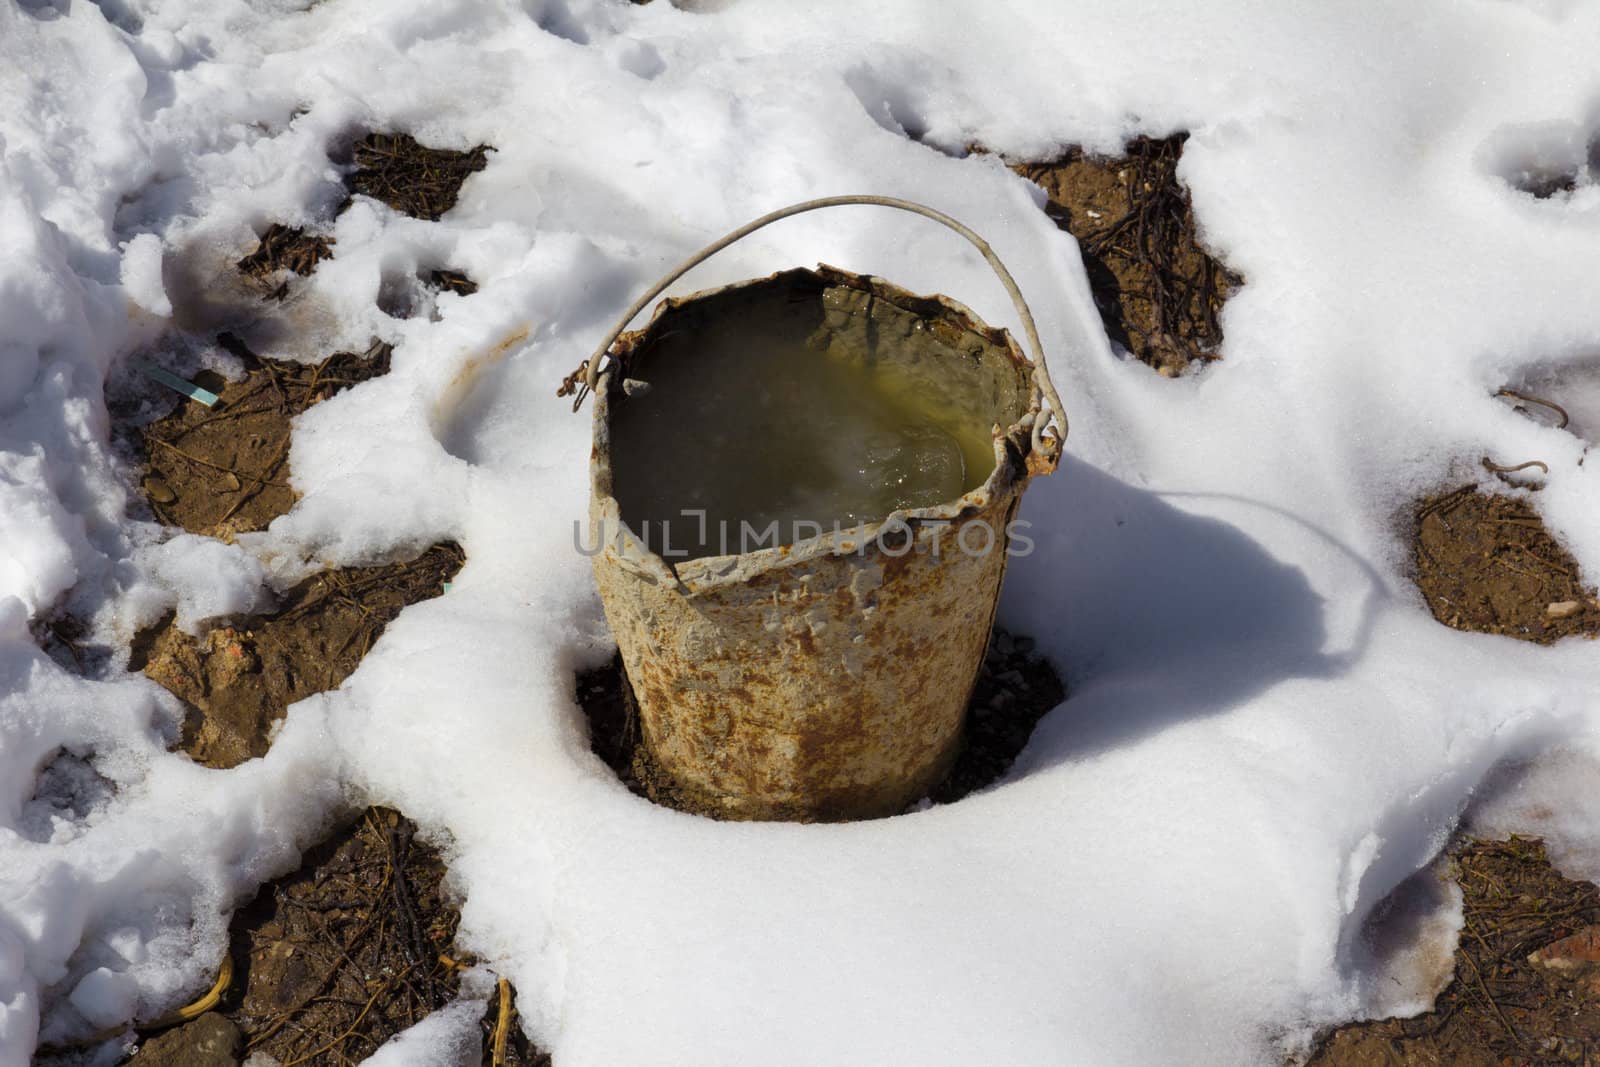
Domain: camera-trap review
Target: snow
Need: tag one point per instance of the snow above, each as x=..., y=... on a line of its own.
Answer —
x=1267, y=733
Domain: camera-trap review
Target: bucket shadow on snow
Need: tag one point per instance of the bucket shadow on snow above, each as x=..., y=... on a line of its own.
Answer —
x=1160, y=616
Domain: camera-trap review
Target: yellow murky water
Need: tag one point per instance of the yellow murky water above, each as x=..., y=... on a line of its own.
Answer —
x=792, y=433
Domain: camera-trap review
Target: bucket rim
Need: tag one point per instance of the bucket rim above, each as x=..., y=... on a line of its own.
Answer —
x=1016, y=458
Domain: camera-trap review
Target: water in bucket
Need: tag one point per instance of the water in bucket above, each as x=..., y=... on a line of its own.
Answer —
x=777, y=419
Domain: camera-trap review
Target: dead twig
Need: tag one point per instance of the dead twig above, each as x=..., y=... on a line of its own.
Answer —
x=1496, y=468
x=502, y=1026
x=351, y=1029
x=1530, y=398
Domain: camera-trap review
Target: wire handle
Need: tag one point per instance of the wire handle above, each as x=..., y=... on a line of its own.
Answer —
x=1057, y=411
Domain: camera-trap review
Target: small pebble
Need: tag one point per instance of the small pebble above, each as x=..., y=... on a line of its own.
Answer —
x=158, y=490
x=1561, y=609
x=230, y=481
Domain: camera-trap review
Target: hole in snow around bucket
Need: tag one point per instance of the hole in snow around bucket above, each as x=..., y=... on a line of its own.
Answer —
x=1016, y=687
x=816, y=433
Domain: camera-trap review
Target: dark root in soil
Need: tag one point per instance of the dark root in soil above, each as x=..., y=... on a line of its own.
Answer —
x=223, y=470
x=238, y=680
x=1157, y=290
x=410, y=177
x=1016, y=687
x=1501, y=1007
x=1485, y=562
x=283, y=248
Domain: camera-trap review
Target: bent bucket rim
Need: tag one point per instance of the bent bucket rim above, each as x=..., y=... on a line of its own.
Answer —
x=1016, y=460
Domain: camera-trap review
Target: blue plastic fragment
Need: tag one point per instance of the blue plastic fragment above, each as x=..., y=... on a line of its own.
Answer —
x=187, y=388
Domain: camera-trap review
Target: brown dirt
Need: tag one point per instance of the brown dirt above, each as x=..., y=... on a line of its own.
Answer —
x=1157, y=289
x=1486, y=562
x=339, y=956
x=410, y=177
x=238, y=679
x=212, y=1040
x=452, y=281
x=1015, y=688
x=1500, y=1008
x=281, y=249
x=223, y=470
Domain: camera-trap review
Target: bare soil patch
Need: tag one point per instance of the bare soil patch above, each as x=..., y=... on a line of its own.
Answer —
x=1502, y=1007
x=283, y=248
x=410, y=177
x=1157, y=289
x=1016, y=687
x=223, y=470
x=354, y=947
x=1486, y=562
x=336, y=958
x=238, y=679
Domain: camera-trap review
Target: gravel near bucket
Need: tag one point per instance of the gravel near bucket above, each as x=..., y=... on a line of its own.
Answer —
x=818, y=671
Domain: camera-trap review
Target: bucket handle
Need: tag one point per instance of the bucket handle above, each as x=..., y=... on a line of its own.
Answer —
x=1045, y=384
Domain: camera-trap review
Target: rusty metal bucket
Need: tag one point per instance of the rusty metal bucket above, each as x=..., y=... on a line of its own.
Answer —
x=826, y=678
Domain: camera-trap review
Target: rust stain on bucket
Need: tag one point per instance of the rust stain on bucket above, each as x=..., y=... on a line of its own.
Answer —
x=824, y=678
